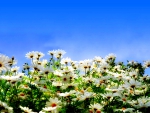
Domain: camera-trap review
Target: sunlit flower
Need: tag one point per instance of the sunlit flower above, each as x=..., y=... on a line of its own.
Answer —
x=102, y=80
x=145, y=77
x=66, y=94
x=67, y=71
x=43, y=88
x=65, y=79
x=31, y=55
x=5, y=108
x=88, y=79
x=59, y=53
x=24, y=86
x=110, y=95
x=98, y=59
x=50, y=109
x=46, y=70
x=65, y=61
x=96, y=108
x=15, y=69
x=51, y=52
x=132, y=84
x=11, y=79
x=39, y=55
x=103, y=68
x=22, y=95
x=146, y=64
x=123, y=97
x=37, y=67
x=110, y=57
x=85, y=65
x=4, y=65
x=86, y=95
x=12, y=61
x=26, y=109
x=143, y=102
x=53, y=102
x=119, y=76
x=133, y=74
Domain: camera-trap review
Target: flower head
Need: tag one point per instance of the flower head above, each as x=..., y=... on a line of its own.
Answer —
x=53, y=102
x=31, y=55
x=4, y=63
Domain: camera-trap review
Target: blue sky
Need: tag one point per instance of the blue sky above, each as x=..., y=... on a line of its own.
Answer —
x=84, y=29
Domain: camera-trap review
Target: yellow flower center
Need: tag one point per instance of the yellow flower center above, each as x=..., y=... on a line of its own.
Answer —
x=124, y=99
x=1, y=65
x=98, y=111
x=53, y=105
x=123, y=108
x=22, y=94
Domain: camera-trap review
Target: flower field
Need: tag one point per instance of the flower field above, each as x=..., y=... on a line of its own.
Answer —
x=61, y=85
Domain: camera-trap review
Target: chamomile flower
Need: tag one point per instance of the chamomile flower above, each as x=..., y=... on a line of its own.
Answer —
x=132, y=83
x=124, y=98
x=46, y=70
x=39, y=55
x=22, y=95
x=146, y=64
x=133, y=74
x=145, y=77
x=11, y=79
x=110, y=57
x=31, y=55
x=15, y=69
x=86, y=95
x=103, y=68
x=98, y=59
x=51, y=52
x=26, y=109
x=143, y=102
x=53, y=102
x=96, y=108
x=12, y=61
x=37, y=67
x=50, y=109
x=4, y=65
x=85, y=65
x=5, y=108
x=65, y=79
x=65, y=61
x=59, y=53
x=110, y=95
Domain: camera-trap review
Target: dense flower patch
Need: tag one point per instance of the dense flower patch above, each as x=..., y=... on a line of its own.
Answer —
x=61, y=85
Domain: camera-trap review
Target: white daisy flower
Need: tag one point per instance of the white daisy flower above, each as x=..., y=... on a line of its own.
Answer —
x=4, y=65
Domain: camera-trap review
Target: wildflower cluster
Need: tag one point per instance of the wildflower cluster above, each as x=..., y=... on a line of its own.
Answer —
x=61, y=85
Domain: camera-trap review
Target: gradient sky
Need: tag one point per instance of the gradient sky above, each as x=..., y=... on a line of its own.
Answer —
x=83, y=29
